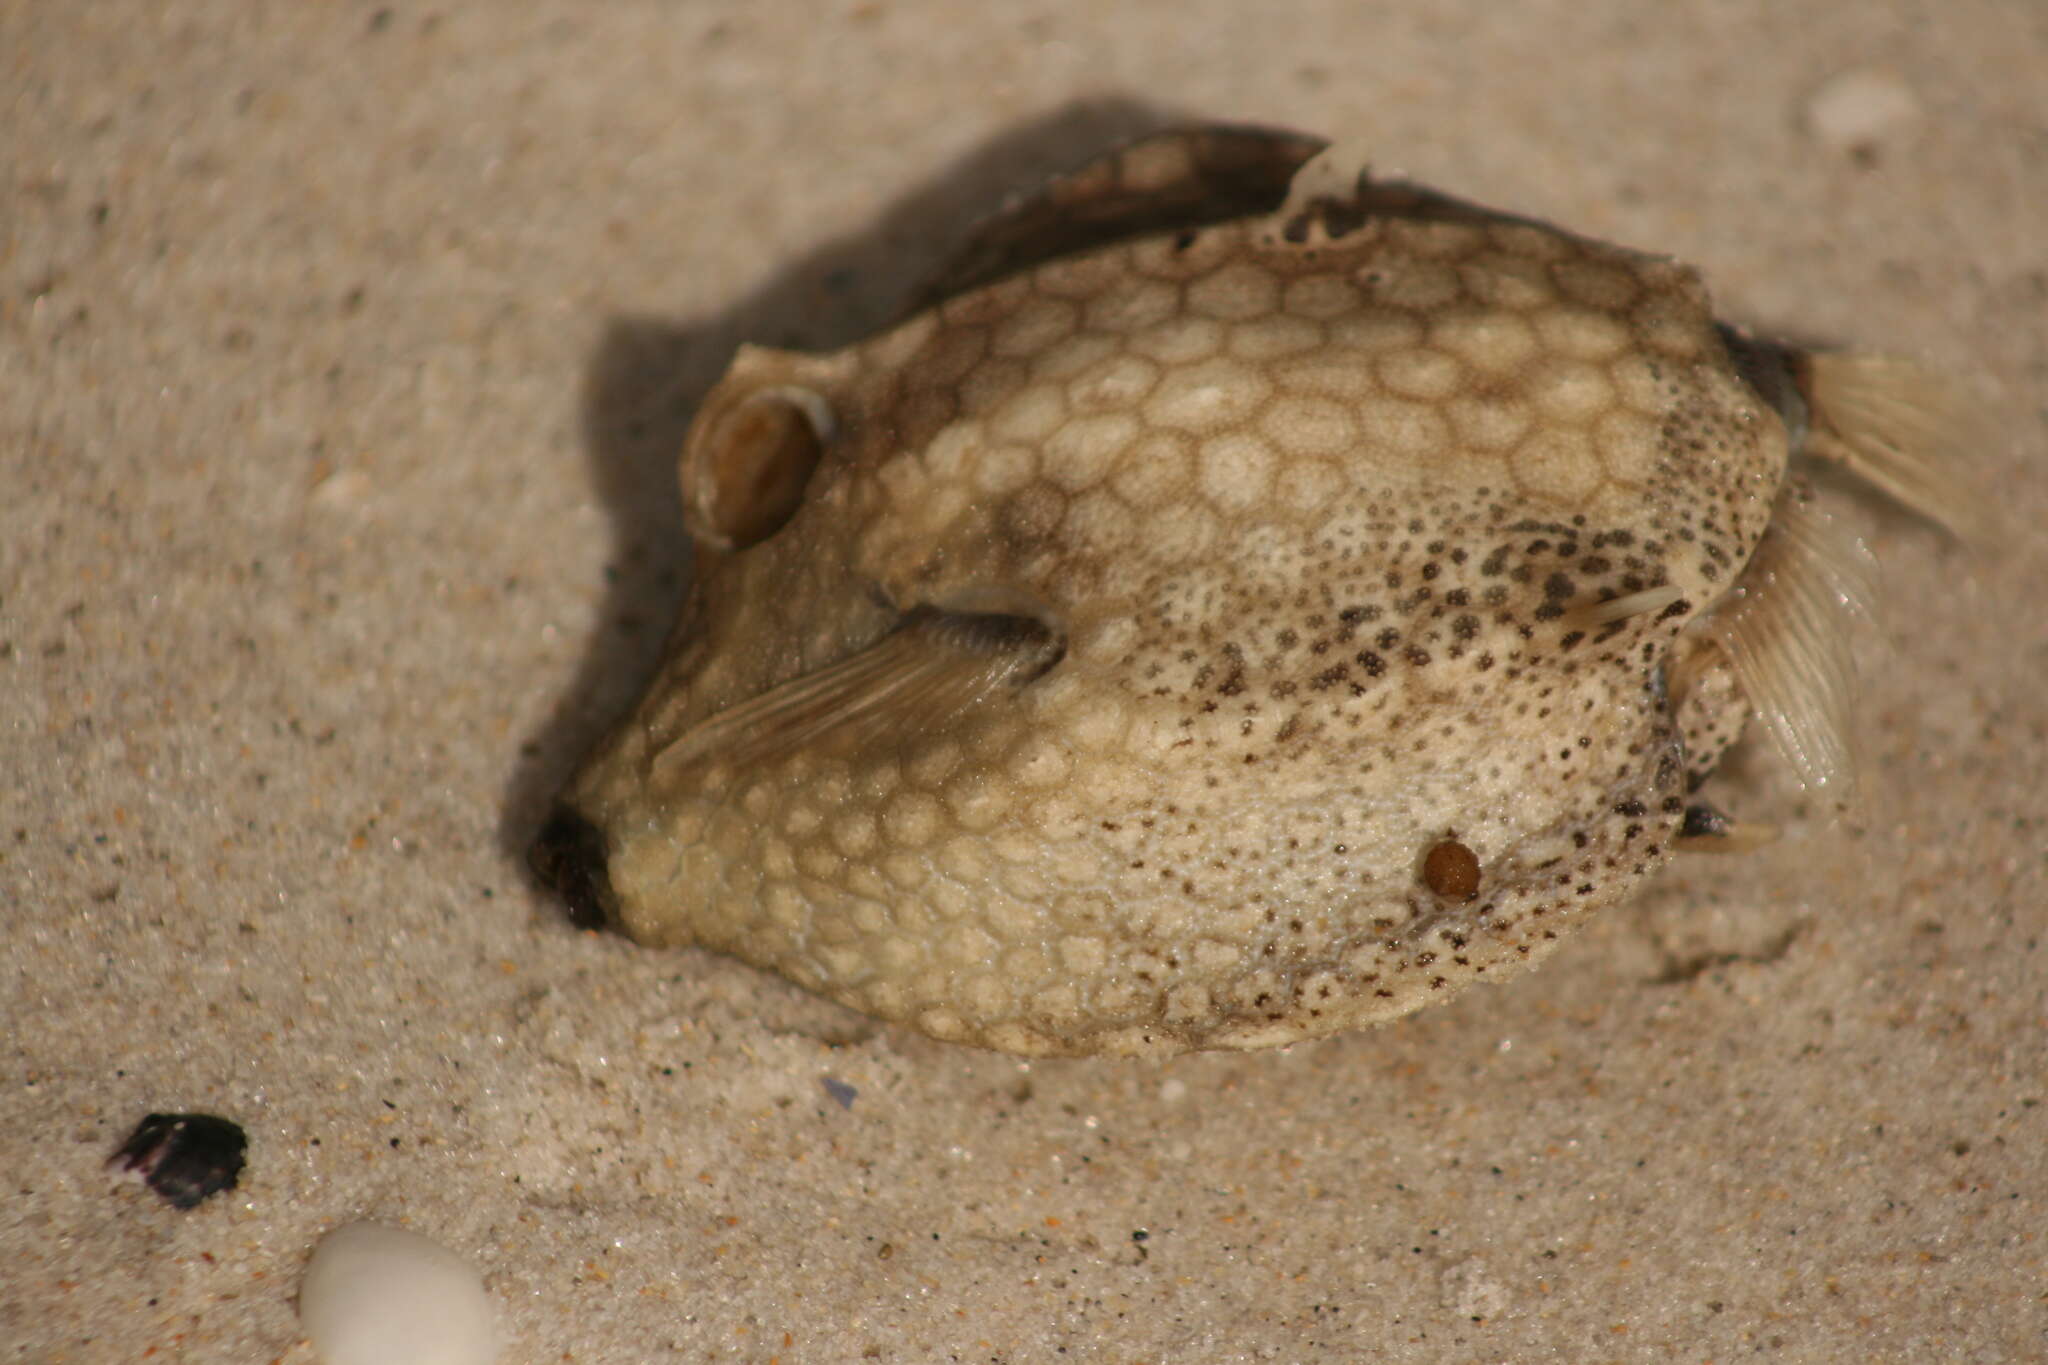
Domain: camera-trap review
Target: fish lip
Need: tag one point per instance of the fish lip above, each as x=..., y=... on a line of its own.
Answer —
x=570, y=855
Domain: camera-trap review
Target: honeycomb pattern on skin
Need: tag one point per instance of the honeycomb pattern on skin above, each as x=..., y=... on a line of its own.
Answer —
x=1317, y=507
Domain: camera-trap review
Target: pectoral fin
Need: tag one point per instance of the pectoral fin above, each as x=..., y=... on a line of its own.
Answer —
x=1648, y=602
x=933, y=666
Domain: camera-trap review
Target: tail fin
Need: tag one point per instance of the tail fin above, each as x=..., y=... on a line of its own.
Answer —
x=1785, y=626
x=1901, y=428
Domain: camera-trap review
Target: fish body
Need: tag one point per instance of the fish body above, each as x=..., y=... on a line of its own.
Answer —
x=1248, y=602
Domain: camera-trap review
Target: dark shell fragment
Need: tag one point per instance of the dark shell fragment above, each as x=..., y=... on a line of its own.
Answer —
x=186, y=1158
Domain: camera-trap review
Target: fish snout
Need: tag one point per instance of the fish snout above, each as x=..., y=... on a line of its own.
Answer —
x=570, y=856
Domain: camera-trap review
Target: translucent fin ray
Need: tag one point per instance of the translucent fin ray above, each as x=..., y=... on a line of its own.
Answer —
x=1900, y=428
x=1785, y=629
x=934, y=665
x=1644, y=603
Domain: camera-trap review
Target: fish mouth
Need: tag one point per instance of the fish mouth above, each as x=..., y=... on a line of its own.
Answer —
x=570, y=856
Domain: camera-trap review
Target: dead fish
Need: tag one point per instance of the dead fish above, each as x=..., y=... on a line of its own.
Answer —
x=1249, y=600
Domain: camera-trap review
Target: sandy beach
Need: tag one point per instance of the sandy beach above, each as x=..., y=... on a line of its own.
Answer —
x=345, y=353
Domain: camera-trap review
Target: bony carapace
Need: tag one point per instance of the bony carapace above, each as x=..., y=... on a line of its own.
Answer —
x=1249, y=600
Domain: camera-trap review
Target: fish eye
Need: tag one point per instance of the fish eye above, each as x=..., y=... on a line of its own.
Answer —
x=746, y=466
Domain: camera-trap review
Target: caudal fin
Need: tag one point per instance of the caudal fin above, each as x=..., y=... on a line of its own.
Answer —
x=1901, y=428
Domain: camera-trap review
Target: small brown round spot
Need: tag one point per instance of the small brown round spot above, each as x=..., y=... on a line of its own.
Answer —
x=1451, y=870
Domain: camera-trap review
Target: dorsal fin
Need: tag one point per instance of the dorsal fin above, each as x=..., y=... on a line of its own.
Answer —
x=932, y=666
x=1785, y=627
x=1182, y=178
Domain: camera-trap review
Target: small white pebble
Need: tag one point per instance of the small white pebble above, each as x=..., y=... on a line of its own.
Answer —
x=1856, y=110
x=342, y=489
x=1173, y=1091
x=1469, y=1291
x=377, y=1295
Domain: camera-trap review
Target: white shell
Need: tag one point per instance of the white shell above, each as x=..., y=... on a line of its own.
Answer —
x=377, y=1295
